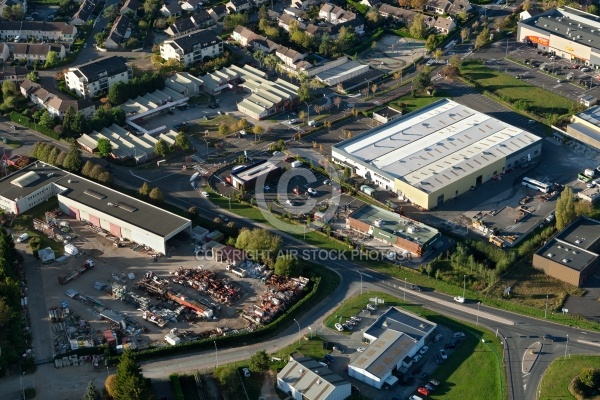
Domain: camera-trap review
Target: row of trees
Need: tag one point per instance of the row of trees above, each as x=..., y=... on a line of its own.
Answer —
x=147, y=192
x=48, y=153
x=96, y=172
x=120, y=92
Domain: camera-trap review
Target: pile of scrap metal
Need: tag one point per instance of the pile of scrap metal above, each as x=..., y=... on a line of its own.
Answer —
x=153, y=284
x=120, y=292
x=280, y=293
x=222, y=290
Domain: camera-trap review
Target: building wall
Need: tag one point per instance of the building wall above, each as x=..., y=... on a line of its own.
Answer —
x=8, y=204
x=98, y=218
x=366, y=377
x=563, y=47
x=583, y=137
x=556, y=270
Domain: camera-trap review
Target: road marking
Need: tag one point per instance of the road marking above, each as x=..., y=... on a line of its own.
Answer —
x=588, y=342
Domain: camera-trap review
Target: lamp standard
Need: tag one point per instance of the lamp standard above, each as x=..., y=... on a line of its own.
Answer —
x=216, y=353
x=206, y=141
x=405, y=290
x=477, y=323
x=546, y=310
x=464, y=285
x=298, y=331
x=307, y=112
x=567, y=346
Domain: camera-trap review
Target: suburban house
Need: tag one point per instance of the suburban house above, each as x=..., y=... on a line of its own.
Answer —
x=295, y=12
x=37, y=52
x=334, y=14
x=192, y=48
x=119, y=33
x=15, y=74
x=333, y=31
x=304, y=4
x=200, y=20
x=236, y=6
x=218, y=12
x=292, y=58
x=444, y=25
x=84, y=13
x=98, y=76
x=171, y=10
x=39, y=30
x=247, y=38
x=56, y=103
x=192, y=5
x=130, y=7
x=304, y=378
x=452, y=7
x=4, y=52
x=285, y=20
x=396, y=13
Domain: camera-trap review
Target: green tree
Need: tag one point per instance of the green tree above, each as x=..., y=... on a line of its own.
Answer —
x=590, y=377
x=69, y=118
x=483, y=38
x=431, y=43
x=465, y=33
x=304, y=92
x=422, y=81
x=258, y=130
x=32, y=76
x=53, y=156
x=104, y=147
x=118, y=115
x=417, y=28
x=79, y=124
x=243, y=124
x=150, y=7
x=156, y=195
x=96, y=171
x=438, y=53
x=228, y=377
x=161, y=148
x=91, y=393
x=47, y=120
x=592, y=9
x=259, y=242
x=259, y=362
x=183, y=142
x=45, y=152
x=526, y=5
x=288, y=265
x=233, y=20
x=110, y=12
x=8, y=89
x=72, y=161
x=118, y=93
x=565, y=209
x=145, y=189
x=87, y=168
x=223, y=130
x=51, y=59
x=130, y=383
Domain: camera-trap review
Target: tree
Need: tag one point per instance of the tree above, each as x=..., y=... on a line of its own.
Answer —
x=161, y=148
x=87, y=168
x=32, y=76
x=418, y=4
x=72, y=161
x=110, y=384
x=592, y=9
x=53, y=156
x=590, y=377
x=465, y=33
x=104, y=147
x=51, y=59
x=437, y=54
x=228, y=377
x=96, y=171
x=130, y=383
x=79, y=124
x=404, y=3
x=223, y=130
x=243, y=124
x=8, y=89
x=91, y=393
x=431, y=43
x=337, y=101
x=259, y=362
x=69, y=118
x=193, y=211
x=231, y=21
x=372, y=17
x=422, y=81
x=526, y=5
x=259, y=242
x=183, y=142
x=288, y=265
x=110, y=12
x=304, y=92
x=150, y=7
x=258, y=131
x=455, y=61
x=118, y=115
x=47, y=120
x=565, y=209
x=450, y=71
x=483, y=38
x=417, y=28
x=145, y=189
x=374, y=88
x=156, y=195
x=118, y=93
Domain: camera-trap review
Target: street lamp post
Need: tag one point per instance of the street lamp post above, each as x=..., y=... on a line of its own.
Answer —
x=216, y=353
x=546, y=310
x=206, y=141
x=405, y=290
x=567, y=346
x=298, y=331
x=464, y=285
x=307, y=112
x=477, y=323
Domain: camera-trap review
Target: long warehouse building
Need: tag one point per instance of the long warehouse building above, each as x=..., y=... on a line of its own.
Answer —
x=120, y=215
x=437, y=153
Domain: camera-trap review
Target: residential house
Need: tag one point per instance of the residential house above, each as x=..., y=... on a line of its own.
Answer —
x=371, y=3
x=130, y=7
x=192, y=5
x=38, y=30
x=294, y=12
x=288, y=56
x=444, y=25
x=200, y=20
x=15, y=74
x=98, y=76
x=334, y=14
x=4, y=52
x=247, y=38
x=304, y=4
x=119, y=33
x=37, y=52
x=84, y=13
x=218, y=12
x=285, y=20
x=452, y=7
x=171, y=10
x=398, y=14
x=236, y=6
x=192, y=48
x=56, y=103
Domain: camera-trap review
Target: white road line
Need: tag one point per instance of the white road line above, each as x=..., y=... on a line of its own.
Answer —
x=588, y=342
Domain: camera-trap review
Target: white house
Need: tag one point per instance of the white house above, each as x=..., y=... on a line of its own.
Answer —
x=32, y=52
x=118, y=34
x=84, y=13
x=444, y=25
x=218, y=12
x=236, y=6
x=304, y=378
x=56, y=104
x=192, y=48
x=98, y=76
x=171, y=10
x=334, y=14
x=191, y=5
x=39, y=30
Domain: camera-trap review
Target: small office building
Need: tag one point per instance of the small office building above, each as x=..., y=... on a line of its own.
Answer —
x=306, y=379
x=259, y=171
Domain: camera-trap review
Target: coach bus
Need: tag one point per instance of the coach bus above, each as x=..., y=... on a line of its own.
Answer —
x=537, y=185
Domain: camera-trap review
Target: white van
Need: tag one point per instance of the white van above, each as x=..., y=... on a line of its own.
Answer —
x=312, y=123
x=22, y=238
x=296, y=164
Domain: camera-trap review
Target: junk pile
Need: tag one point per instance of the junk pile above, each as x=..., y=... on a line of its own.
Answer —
x=221, y=290
x=69, y=331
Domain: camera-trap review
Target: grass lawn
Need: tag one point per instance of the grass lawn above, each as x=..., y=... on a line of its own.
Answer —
x=414, y=103
x=473, y=371
x=242, y=210
x=212, y=125
x=309, y=347
x=253, y=385
x=24, y=223
x=540, y=102
x=558, y=376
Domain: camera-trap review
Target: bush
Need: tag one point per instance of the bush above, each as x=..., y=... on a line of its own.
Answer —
x=23, y=120
x=174, y=378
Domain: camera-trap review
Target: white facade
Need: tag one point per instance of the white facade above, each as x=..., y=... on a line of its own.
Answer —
x=305, y=379
x=190, y=53
x=80, y=84
x=26, y=30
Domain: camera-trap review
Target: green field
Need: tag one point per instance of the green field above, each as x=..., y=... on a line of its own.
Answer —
x=558, y=376
x=539, y=101
x=473, y=371
x=408, y=103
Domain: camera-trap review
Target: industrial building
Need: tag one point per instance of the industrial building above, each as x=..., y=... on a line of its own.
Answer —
x=306, y=379
x=119, y=215
x=394, y=339
x=585, y=127
x=566, y=32
x=572, y=255
x=247, y=176
x=438, y=152
x=402, y=233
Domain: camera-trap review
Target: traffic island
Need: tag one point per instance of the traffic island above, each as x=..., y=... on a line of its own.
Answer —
x=530, y=356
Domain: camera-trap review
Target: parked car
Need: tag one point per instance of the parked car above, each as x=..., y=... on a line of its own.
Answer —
x=204, y=194
x=438, y=337
x=459, y=299
x=360, y=349
x=458, y=335
x=434, y=382
x=430, y=387
x=224, y=218
x=415, y=397
x=424, y=350
x=246, y=372
x=443, y=354
x=423, y=390
x=450, y=346
x=339, y=327
x=312, y=191
x=415, y=287
x=22, y=238
x=417, y=358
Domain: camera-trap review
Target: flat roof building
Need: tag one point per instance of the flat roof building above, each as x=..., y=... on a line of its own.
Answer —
x=572, y=255
x=306, y=379
x=118, y=214
x=394, y=338
x=247, y=176
x=401, y=232
x=585, y=127
x=438, y=152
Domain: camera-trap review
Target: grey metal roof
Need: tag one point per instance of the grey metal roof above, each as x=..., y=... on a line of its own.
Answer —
x=583, y=232
x=383, y=355
x=401, y=321
x=566, y=254
x=310, y=378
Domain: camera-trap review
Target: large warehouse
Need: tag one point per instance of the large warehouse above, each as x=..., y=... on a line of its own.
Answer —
x=572, y=255
x=394, y=339
x=565, y=32
x=118, y=214
x=438, y=152
x=585, y=127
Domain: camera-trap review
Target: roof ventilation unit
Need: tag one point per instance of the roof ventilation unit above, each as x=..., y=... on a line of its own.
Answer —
x=550, y=255
x=565, y=260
